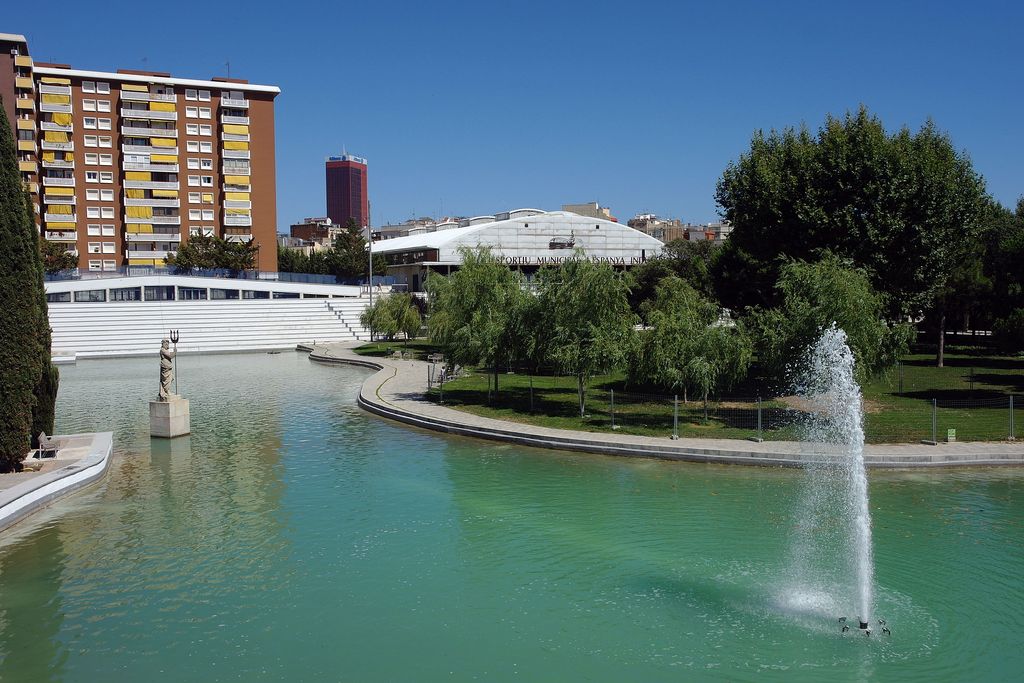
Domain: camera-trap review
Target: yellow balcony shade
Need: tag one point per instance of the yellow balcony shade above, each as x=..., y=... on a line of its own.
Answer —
x=235, y=144
x=164, y=158
x=163, y=142
x=135, y=87
x=208, y=197
x=26, y=145
x=138, y=227
x=50, y=98
x=235, y=129
x=138, y=175
x=60, y=225
x=49, y=156
x=60, y=191
x=237, y=196
x=135, y=194
x=55, y=136
x=237, y=212
x=23, y=82
x=59, y=208
x=69, y=156
x=161, y=106
x=29, y=166
x=24, y=103
x=165, y=194
x=28, y=124
x=22, y=60
x=142, y=262
x=236, y=179
x=61, y=119
x=139, y=211
x=55, y=80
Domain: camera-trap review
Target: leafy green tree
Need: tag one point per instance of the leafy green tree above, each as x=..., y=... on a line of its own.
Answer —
x=391, y=315
x=687, y=347
x=45, y=392
x=690, y=261
x=22, y=310
x=208, y=252
x=812, y=297
x=1003, y=259
x=904, y=207
x=474, y=311
x=586, y=322
x=349, y=257
x=56, y=257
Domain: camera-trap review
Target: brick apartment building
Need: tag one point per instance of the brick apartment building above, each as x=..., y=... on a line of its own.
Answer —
x=124, y=166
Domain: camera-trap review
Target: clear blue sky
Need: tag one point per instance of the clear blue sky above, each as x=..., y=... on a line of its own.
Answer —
x=476, y=107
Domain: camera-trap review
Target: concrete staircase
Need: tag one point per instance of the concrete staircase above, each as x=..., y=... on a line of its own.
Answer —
x=135, y=328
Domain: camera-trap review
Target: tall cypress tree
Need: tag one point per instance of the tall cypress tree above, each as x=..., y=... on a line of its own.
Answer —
x=21, y=357
x=49, y=377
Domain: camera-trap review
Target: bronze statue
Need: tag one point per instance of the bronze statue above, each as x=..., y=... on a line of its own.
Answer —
x=166, y=370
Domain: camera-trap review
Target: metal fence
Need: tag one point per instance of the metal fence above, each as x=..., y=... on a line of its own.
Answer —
x=908, y=419
x=141, y=271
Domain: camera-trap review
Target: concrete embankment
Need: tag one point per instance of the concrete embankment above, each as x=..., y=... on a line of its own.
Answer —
x=396, y=391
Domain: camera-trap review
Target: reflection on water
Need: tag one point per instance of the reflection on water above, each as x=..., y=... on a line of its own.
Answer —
x=294, y=537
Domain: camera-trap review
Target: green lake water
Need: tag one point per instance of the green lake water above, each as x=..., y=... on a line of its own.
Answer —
x=294, y=537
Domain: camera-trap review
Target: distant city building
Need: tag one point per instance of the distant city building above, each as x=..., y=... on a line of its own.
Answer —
x=668, y=230
x=592, y=209
x=319, y=230
x=525, y=239
x=415, y=226
x=122, y=167
x=347, y=196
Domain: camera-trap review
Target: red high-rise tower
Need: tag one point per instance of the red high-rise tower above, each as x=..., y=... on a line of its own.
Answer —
x=346, y=190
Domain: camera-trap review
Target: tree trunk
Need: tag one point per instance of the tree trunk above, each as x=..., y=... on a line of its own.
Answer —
x=495, y=378
x=940, y=357
x=579, y=388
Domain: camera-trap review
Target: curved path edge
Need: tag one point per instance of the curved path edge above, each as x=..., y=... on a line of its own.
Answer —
x=396, y=391
x=32, y=495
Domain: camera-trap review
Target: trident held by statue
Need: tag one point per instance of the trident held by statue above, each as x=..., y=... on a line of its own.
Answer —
x=174, y=340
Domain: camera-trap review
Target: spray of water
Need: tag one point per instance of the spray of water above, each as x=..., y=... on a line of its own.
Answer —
x=831, y=567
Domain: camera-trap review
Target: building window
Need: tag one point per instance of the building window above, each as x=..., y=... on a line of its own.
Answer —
x=223, y=293
x=110, y=265
x=90, y=140
x=92, y=176
x=159, y=293
x=92, y=295
x=92, y=212
x=205, y=129
x=106, y=141
x=192, y=112
x=88, y=86
x=95, y=248
x=106, y=160
x=93, y=229
x=89, y=122
x=102, y=88
x=104, y=124
x=108, y=248
x=193, y=180
x=206, y=147
x=106, y=195
x=204, y=95
x=58, y=298
x=89, y=105
x=195, y=215
x=207, y=181
x=207, y=164
x=83, y=296
x=192, y=146
x=102, y=105
x=207, y=214
x=106, y=212
x=191, y=94
x=192, y=128
x=126, y=294
x=193, y=198
x=108, y=230
x=106, y=176
x=92, y=196
x=193, y=163
x=92, y=159
x=204, y=112
x=254, y=294
x=191, y=293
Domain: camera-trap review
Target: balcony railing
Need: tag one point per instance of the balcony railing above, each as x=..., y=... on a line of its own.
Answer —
x=237, y=220
x=235, y=137
x=154, y=236
x=58, y=163
x=58, y=182
x=150, y=185
x=236, y=204
x=236, y=188
x=147, y=132
x=50, y=125
x=152, y=201
x=55, y=108
x=62, y=146
x=235, y=153
x=160, y=168
x=231, y=170
x=154, y=220
x=62, y=199
x=147, y=96
x=149, y=114
x=148, y=254
x=55, y=89
x=230, y=102
x=147, y=149
x=60, y=217
x=28, y=103
x=243, y=120
x=61, y=235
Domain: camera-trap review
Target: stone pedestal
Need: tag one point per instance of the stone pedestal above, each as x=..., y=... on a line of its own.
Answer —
x=170, y=418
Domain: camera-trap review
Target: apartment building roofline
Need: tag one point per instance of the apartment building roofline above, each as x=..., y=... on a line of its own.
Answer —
x=135, y=78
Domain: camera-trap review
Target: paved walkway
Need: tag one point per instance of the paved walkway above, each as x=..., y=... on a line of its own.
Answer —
x=397, y=392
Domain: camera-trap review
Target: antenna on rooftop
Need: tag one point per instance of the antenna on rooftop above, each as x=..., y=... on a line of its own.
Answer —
x=228, y=65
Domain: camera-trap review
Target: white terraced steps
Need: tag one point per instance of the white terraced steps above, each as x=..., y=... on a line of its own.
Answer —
x=129, y=328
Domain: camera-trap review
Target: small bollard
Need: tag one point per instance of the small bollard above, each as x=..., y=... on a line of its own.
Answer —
x=613, y=410
x=675, y=417
x=1013, y=432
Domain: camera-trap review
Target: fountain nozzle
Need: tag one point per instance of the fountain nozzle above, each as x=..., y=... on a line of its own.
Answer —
x=863, y=625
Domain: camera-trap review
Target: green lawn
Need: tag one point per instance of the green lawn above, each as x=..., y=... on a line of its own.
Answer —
x=972, y=394
x=418, y=348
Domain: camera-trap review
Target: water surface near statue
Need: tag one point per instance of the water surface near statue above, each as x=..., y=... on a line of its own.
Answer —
x=292, y=536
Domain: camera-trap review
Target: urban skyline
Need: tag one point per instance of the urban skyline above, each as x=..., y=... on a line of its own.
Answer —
x=640, y=111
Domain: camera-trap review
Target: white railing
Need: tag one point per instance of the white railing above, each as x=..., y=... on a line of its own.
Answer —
x=149, y=114
x=240, y=170
x=160, y=168
x=61, y=235
x=236, y=188
x=230, y=102
x=238, y=220
x=155, y=220
x=237, y=204
x=55, y=108
x=59, y=199
x=154, y=236
x=60, y=217
x=150, y=185
x=59, y=182
x=235, y=137
x=55, y=89
x=235, y=153
x=146, y=132
x=58, y=164
x=65, y=146
x=242, y=120
x=50, y=125
x=148, y=149
x=152, y=201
